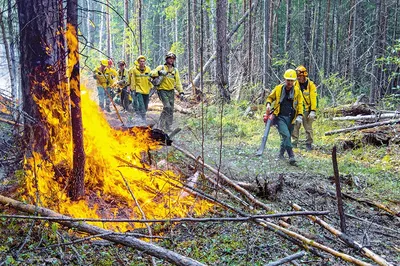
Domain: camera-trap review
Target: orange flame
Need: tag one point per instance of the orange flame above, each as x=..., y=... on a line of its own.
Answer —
x=107, y=194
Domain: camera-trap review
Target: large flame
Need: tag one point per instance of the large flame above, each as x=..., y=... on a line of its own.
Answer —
x=111, y=186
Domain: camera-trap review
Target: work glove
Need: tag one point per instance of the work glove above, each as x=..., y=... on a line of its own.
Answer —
x=299, y=119
x=162, y=73
x=181, y=96
x=268, y=108
x=312, y=115
x=265, y=118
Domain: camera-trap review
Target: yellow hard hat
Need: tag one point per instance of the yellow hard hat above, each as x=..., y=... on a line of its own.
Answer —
x=290, y=74
x=170, y=54
x=104, y=62
x=141, y=57
x=301, y=71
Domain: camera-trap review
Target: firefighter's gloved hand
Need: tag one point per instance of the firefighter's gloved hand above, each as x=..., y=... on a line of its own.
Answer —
x=312, y=115
x=299, y=119
x=162, y=73
x=265, y=118
x=181, y=96
x=268, y=108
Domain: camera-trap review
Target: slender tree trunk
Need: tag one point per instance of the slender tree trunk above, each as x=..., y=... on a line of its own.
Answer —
x=374, y=78
x=195, y=37
x=287, y=29
x=77, y=187
x=250, y=45
x=222, y=44
x=140, y=26
x=101, y=31
x=89, y=31
x=307, y=44
x=14, y=84
x=125, y=40
x=189, y=44
x=325, y=41
x=266, y=51
x=108, y=26
x=8, y=57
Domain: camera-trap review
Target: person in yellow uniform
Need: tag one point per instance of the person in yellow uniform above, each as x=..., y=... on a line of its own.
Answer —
x=123, y=84
x=288, y=110
x=170, y=81
x=309, y=91
x=104, y=76
x=139, y=80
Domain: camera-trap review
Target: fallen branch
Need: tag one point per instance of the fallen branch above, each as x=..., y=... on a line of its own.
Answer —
x=10, y=122
x=287, y=259
x=338, y=191
x=129, y=241
x=345, y=238
x=394, y=121
x=226, y=179
x=367, y=117
x=173, y=220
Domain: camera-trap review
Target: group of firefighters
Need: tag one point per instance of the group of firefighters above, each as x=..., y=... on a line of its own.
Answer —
x=294, y=102
x=134, y=86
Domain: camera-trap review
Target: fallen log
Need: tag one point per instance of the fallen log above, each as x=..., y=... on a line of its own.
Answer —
x=129, y=241
x=350, y=109
x=345, y=238
x=287, y=259
x=375, y=117
x=13, y=123
x=394, y=121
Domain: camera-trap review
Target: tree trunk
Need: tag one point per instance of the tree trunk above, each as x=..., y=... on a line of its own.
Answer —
x=222, y=75
x=307, y=44
x=189, y=44
x=287, y=29
x=125, y=39
x=8, y=57
x=249, y=46
x=101, y=31
x=41, y=67
x=77, y=186
x=108, y=26
x=14, y=84
x=140, y=26
x=89, y=32
x=266, y=51
x=374, y=78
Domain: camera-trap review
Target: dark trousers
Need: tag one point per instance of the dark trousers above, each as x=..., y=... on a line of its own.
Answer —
x=167, y=114
x=143, y=104
x=285, y=129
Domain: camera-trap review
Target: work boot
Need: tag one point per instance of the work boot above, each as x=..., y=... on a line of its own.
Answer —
x=292, y=160
x=309, y=147
x=281, y=155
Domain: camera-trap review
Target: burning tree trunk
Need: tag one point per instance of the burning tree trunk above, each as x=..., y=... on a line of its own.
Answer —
x=76, y=189
x=42, y=69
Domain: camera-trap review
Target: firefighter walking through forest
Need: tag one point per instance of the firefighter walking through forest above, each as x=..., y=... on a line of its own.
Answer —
x=139, y=80
x=287, y=101
x=309, y=91
x=104, y=76
x=170, y=81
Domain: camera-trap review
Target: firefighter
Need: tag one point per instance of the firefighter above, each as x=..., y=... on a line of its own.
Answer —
x=123, y=85
x=170, y=81
x=309, y=91
x=288, y=109
x=139, y=80
x=104, y=76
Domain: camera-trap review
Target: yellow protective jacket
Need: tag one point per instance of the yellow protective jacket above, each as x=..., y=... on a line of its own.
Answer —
x=170, y=81
x=106, y=77
x=309, y=95
x=275, y=96
x=140, y=80
x=123, y=77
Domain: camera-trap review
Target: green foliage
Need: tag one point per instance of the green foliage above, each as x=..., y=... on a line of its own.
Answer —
x=339, y=88
x=178, y=48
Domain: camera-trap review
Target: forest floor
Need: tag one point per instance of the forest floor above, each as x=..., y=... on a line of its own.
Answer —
x=369, y=173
